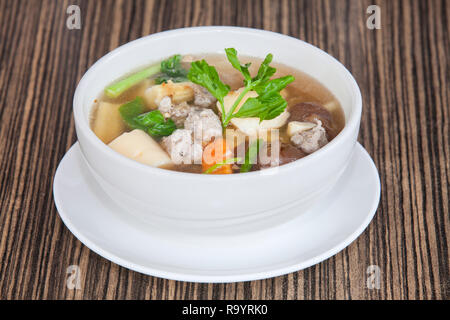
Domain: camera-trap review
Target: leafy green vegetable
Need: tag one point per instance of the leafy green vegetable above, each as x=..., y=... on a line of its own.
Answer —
x=251, y=155
x=232, y=57
x=171, y=70
x=149, y=119
x=162, y=129
x=269, y=103
x=220, y=164
x=205, y=75
x=270, y=87
x=116, y=89
x=130, y=112
x=152, y=122
x=265, y=71
x=164, y=78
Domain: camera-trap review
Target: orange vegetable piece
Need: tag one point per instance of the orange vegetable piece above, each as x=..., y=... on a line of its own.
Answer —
x=216, y=152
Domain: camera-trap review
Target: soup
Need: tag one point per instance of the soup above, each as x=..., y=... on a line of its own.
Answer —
x=216, y=114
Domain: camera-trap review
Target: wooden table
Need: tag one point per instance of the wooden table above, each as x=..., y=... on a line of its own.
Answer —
x=403, y=73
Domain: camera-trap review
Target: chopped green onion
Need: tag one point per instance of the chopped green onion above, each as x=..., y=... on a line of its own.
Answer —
x=251, y=155
x=116, y=89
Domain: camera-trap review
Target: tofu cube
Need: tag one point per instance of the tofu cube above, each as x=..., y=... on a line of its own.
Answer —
x=108, y=123
x=139, y=146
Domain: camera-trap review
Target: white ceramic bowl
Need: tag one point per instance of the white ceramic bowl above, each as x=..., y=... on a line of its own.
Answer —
x=204, y=200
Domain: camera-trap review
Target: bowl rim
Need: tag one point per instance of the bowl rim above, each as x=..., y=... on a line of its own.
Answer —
x=351, y=123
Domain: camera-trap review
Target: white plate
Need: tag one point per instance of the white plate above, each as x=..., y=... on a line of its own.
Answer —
x=216, y=257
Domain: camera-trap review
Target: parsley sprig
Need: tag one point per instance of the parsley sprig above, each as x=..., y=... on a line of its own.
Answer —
x=205, y=75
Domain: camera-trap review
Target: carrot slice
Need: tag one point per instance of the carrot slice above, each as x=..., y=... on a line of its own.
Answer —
x=216, y=152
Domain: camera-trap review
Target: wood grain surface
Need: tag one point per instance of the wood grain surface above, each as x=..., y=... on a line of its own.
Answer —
x=403, y=73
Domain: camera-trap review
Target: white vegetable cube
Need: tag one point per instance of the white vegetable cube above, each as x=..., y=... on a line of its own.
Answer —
x=139, y=146
x=108, y=122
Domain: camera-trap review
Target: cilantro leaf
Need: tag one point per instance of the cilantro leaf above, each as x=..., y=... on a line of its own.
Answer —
x=171, y=70
x=172, y=65
x=164, y=78
x=251, y=108
x=269, y=104
x=205, y=75
x=274, y=86
x=232, y=57
x=265, y=71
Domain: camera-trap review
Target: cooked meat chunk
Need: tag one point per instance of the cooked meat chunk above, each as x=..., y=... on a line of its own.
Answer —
x=204, y=123
x=310, y=140
x=309, y=112
x=202, y=97
x=178, y=113
x=182, y=148
x=165, y=106
x=289, y=153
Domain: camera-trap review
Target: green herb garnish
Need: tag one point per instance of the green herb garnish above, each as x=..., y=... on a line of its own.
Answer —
x=268, y=105
x=171, y=70
x=150, y=119
x=162, y=129
x=251, y=155
x=152, y=122
x=220, y=164
x=205, y=75
x=130, y=112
